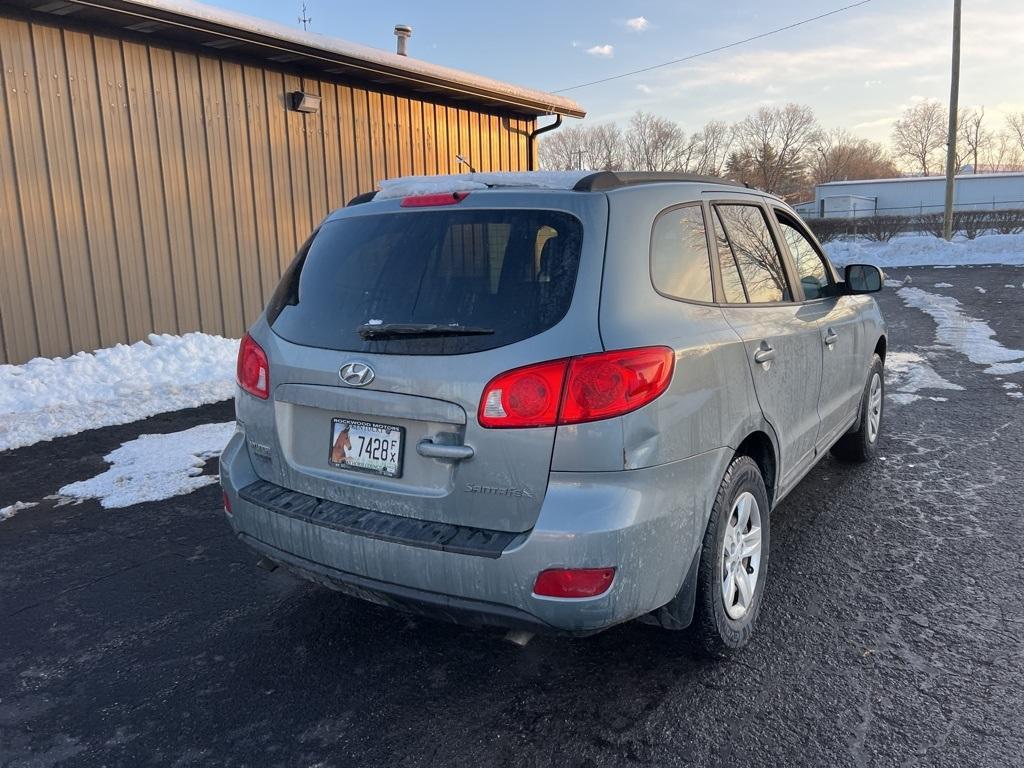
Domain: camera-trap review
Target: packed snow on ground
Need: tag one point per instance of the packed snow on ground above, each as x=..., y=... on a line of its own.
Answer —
x=971, y=337
x=943, y=285
x=926, y=250
x=47, y=398
x=468, y=182
x=906, y=373
x=154, y=467
x=8, y=512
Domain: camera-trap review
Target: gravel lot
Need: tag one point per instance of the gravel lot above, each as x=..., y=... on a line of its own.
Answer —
x=891, y=632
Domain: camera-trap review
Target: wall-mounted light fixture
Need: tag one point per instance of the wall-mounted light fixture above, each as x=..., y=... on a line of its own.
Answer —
x=304, y=102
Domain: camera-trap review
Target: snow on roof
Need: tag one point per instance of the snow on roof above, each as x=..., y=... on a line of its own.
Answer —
x=467, y=182
x=373, y=60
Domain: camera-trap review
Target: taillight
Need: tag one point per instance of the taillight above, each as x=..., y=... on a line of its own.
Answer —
x=227, y=503
x=612, y=383
x=425, y=201
x=573, y=582
x=525, y=397
x=253, y=371
x=577, y=389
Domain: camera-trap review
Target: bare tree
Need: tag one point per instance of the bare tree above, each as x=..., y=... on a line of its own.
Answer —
x=562, y=149
x=711, y=146
x=597, y=147
x=1015, y=130
x=975, y=142
x=653, y=143
x=603, y=148
x=772, y=147
x=919, y=137
x=1007, y=152
x=839, y=155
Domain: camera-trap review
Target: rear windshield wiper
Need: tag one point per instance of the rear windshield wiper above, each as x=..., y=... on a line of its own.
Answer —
x=418, y=330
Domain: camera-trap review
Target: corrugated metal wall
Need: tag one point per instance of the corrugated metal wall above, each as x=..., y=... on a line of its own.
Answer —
x=147, y=189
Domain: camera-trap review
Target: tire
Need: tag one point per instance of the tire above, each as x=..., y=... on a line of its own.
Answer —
x=861, y=443
x=721, y=628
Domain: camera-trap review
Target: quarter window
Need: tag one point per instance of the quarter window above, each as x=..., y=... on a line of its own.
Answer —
x=680, y=265
x=810, y=266
x=757, y=257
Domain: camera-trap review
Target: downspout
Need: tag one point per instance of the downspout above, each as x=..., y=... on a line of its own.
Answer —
x=533, y=137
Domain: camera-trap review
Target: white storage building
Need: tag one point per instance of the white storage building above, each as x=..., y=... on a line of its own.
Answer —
x=914, y=195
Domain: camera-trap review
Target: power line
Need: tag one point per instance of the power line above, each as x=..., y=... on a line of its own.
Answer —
x=692, y=56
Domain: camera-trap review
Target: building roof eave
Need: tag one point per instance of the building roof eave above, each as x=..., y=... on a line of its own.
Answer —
x=221, y=29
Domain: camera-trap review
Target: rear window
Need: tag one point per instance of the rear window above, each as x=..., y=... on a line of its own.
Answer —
x=510, y=272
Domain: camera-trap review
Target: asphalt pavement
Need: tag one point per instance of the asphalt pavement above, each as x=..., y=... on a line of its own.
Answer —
x=891, y=632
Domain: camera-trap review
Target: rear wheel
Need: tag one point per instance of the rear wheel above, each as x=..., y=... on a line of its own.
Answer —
x=734, y=560
x=862, y=443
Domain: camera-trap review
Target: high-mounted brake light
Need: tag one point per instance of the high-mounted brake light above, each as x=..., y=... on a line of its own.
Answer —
x=577, y=389
x=573, y=582
x=253, y=371
x=425, y=201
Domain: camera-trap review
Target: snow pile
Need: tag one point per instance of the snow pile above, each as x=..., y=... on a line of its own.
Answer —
x=155, y=467
x=8, y=512
x=47, y=398
x=943, y=285
x=906, y=373
x=468, y=182
x=925, y=250
x=971, y=337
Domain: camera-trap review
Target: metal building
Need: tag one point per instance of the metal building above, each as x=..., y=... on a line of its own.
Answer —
x=915, y=195
x=159, y=165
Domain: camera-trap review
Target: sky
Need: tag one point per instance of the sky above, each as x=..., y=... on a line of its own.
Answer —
x=858, y=70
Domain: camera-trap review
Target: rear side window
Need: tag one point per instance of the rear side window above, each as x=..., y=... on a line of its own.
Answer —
x=507, y=274
x=680, y=265
x=756, y=256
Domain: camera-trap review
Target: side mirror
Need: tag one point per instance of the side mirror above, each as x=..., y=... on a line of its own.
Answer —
x=863, y=278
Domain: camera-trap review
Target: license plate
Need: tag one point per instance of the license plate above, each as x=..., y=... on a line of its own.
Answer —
x=366, y=446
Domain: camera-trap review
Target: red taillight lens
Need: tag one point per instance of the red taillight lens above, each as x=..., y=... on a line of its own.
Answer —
x=573, y=582
x=425, y=201
x=579, y=389
x=612, y=383
x=253, y=371
x=525, y=397
x=227, y=503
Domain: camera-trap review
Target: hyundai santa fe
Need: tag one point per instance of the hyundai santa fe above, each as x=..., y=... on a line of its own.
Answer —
x=550, y=402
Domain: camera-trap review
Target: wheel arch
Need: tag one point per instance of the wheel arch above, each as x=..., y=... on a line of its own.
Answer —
x=880, y=346
x=760, y=446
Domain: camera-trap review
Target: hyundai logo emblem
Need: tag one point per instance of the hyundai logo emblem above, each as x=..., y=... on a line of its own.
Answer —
x=356, y=374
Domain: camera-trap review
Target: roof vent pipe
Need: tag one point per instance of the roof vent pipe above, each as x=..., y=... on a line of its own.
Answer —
x=403, y=32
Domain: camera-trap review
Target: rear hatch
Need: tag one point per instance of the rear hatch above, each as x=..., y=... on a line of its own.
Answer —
x=389, y=325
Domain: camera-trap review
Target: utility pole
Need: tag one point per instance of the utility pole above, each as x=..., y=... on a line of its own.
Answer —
x=954, y=98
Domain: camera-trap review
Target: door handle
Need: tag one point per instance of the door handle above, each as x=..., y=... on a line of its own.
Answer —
x=764, y=354
x=432, y=450
x=831, y=337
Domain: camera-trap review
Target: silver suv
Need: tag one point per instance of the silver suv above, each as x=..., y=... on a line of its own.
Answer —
x=550, y=402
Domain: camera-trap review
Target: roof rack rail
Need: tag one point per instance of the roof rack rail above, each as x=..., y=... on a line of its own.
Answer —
x=365, y=197
x=603, y=181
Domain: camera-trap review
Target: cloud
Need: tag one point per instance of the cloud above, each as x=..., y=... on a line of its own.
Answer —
x=639, y=24
x=605, y=51
x=644, y=88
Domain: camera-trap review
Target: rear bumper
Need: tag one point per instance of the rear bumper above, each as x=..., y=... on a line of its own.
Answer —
x=647, y=523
